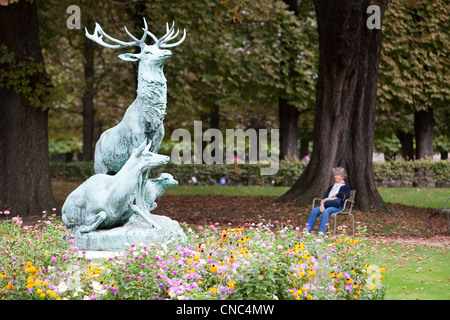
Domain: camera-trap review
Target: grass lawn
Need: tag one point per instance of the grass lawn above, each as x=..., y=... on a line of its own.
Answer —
x=413, y=271
x=226, y=190
x=417, y=197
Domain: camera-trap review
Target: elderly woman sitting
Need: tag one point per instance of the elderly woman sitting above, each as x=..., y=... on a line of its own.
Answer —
x=333, y=201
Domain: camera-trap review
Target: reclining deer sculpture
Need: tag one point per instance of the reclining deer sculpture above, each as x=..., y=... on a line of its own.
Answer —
x=104, y=201
x=143, y=120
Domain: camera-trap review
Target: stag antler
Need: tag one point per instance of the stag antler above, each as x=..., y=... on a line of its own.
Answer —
x=98, y=35
x=162, y=42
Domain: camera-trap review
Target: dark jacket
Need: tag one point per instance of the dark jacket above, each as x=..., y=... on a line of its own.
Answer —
x=343, y=193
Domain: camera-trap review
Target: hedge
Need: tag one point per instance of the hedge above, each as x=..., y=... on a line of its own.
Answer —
x=418, y=173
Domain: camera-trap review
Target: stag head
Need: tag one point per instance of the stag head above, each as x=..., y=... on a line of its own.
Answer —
x=150, y=55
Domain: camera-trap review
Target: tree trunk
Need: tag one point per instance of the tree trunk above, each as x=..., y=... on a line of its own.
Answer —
x=346, y=95
x=25, y=186
x=423, y=127
x=407, y=143
x=288, y=116
x=304, y=147
x=88, y=99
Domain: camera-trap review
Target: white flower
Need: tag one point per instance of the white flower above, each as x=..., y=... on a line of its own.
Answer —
x=62, y=287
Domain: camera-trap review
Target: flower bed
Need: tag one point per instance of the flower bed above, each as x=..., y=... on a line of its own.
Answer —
x=263, y=261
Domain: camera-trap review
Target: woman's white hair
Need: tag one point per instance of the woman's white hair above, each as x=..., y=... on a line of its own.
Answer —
x=340, y=171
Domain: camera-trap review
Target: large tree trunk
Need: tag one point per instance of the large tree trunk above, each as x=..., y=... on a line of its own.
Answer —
x=346, y=95
x=288, y=116
x=88, y=99
x=407, y=144
x=423, y=127
x=25, y=186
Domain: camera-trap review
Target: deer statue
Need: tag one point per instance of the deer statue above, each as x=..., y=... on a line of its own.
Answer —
x=143, y=120
x=104, y=201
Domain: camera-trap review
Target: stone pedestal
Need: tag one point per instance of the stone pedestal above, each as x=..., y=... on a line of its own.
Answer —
x=135, y=231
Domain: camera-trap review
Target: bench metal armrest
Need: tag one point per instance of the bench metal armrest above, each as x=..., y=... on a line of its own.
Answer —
x=349, y=211
x=314, y=202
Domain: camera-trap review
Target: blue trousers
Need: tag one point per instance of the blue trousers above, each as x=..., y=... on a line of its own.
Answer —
x=315, y=213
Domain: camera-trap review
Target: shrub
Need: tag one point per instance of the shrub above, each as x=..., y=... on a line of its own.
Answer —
x=391, y=173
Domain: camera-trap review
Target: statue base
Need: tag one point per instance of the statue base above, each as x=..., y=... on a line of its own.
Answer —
x=135, y=231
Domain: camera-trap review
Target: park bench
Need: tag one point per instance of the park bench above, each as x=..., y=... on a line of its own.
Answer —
x=445, y=210
x=346, y=210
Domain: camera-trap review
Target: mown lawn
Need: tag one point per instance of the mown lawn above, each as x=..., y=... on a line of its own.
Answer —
x=413, y=271
x=416, y=197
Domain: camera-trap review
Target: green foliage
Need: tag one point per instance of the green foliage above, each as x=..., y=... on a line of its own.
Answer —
x=415, y=60
x=414, y=65
x=412, y=171
x=26, y=77
x=59, y=146
x=72, y=170
x=409, y=172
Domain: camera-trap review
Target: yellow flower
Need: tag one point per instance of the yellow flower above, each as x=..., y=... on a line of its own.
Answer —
x=309, y=297
x=45, y=283
x=213, y=269
x=39, y=291
x=355, y=297
x=213, y=290
x=42, y=295
x=231, y=284
x=8, y=286
x=2, y=275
